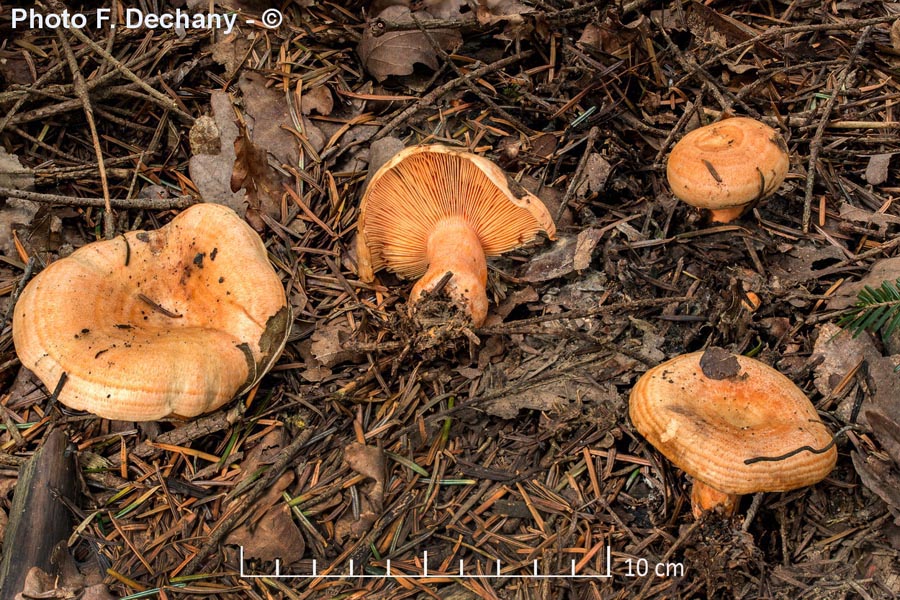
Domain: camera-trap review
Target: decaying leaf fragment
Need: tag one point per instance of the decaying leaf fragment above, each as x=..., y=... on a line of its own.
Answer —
x=269, y=531
x=489, y=12
x=395, y=52
x=253, y=174
x=368, y=461
x=15, y=213
x=212, y=147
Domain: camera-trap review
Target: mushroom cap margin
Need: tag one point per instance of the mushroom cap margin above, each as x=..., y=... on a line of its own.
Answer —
x=727, y=164
x=708, y=427
x=88, y=316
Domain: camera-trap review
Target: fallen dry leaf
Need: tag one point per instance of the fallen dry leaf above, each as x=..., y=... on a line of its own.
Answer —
x=584, y=248
x=395, y=52
x=879, y=476
x=205, y=137
x=877, y=168
x=39, y=584
x=606, y=37
x=651, y=341
x=554, y=262
x=269, y=531
x=840, y=353
x=96, y=592
x=567, y=254
x=895, y=35
x=270, y=536
x=439, y=9
x=562, y=397
x=516, y=298
x=253, y=174
x=14, y=69
x=489, y=12
x=802, y=262
x=269, y=118
x=328, y=344
x=721, y=29
x=211, y=171
x=868, y=217
x=13, y=174
x=368, y=461
x=887, y=269
x=381, y=151
x=14, y=213
x=317, y=99
x=230, y=50
x=592, y=36
x=886, y=430
x=596, y=172
x=584, y=292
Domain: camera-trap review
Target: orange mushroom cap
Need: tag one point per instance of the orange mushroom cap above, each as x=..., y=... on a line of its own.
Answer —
x=714, y=428
x=173, y=321
x=727, y=165
x=433, y=209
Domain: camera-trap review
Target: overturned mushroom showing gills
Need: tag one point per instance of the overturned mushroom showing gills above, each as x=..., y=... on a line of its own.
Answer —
x=153, y=323
x=433, y=209
x=716, y=423
x=728, y=165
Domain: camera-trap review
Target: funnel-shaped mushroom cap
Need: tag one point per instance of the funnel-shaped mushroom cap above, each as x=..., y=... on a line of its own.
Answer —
x=152, y=323
x=710, y=427
x=423, y=185
x=727, y=164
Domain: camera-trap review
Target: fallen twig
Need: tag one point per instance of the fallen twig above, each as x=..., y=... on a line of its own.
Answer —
x=592, y=136
x=82, y=94
x=436, y=94
x=226, y=524
x=815, y=146
x=124, y=203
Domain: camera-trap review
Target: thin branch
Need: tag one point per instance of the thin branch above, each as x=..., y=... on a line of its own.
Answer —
x=775, y=32
x=815, y=146
x=121, y=203
x=435, y=95
x=592, y=136
x=164, y=101
x=82, y=94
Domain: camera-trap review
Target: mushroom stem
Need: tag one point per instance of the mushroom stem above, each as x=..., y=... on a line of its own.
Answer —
x=455, y=247
x=704, y=498
x=726, y=215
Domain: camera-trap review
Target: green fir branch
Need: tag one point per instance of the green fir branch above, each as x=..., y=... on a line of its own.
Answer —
x=876, y=310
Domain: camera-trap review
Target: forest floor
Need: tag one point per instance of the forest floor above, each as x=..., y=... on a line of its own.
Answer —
x=373, y=439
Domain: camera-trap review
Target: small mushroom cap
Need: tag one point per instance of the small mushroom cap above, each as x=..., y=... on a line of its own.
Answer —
x=420, y=186
x=173, y=321
x=727, y=164
x=710, y=427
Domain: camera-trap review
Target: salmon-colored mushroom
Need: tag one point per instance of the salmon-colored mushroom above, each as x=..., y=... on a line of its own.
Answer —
x=726, y=166
x=175, y=321
x=736, y=429
x=433, y=210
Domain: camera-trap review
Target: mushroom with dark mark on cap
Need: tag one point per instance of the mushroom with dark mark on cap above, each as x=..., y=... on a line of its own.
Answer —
x=728, y=165
x=153, y=323
x=433, y=210
x=734, y=424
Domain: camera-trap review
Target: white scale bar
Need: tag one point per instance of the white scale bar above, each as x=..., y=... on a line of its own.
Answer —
x=535, y=574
